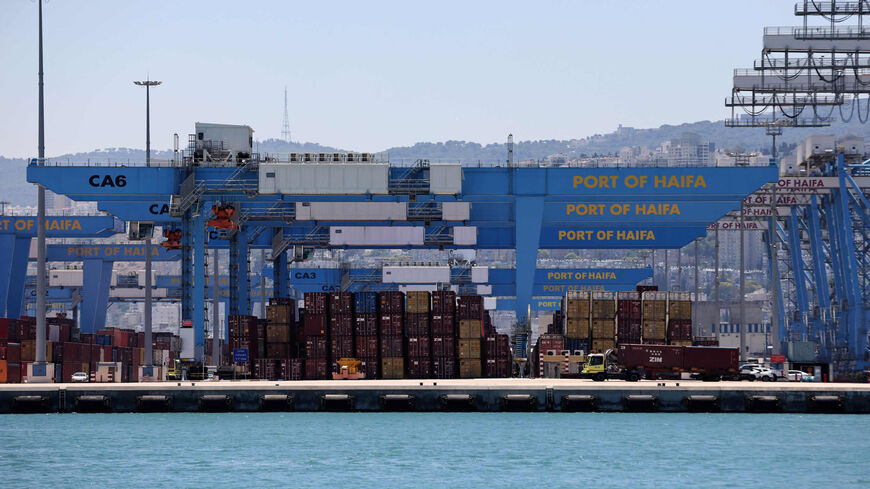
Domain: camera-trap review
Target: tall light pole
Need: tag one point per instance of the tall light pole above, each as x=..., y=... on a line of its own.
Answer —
x=41, y=285
x=147, y=84
x=149, y=357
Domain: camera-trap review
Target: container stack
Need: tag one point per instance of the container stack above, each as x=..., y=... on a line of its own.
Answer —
x=471, y=314
x=365, y=331
x=680, y=318
x=341, y=324
x=628, y=317
x=10, y=351
x=279, y=343
x=242, y=335
x=603, y=331
x=316, y=331
x=392, y=312
x=418, y=333
x=443, y=334
x=498, y=356
x=576, y=310
x=654, y=317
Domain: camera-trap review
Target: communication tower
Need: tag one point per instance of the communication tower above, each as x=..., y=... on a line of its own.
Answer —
x=285, y=127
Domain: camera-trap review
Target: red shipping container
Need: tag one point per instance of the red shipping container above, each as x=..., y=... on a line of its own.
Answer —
x=341, y=303
x=315, y=303
x=69, y=369
x=419, y=368
x=658, y=357
x=366, y=324
x=315, y=325
x=370, y=366
x=8, y=329
x=471, y=307
x=626, y=308
x=551, y=342
x=367, y=346
x=341, y=347
x=316, y=369
x=418, y=346
x=443, y=325
x=391, y=346
x=497, y=346
x=711, y=360
x=444, y=368
x=444, y=301
x=392, y=324
x=316, y=347
x=341, y=325
x=417, y=324
x=295, y=369
x=496, y=368
x=443, y=346
x=391, y=302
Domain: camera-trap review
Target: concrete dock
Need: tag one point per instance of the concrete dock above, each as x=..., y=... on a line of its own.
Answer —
x=485, y=395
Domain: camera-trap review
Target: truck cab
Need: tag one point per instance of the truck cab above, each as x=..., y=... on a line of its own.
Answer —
x=603, y=366
x=594, y=364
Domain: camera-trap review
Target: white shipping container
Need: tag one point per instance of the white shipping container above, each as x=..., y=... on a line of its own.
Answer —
x=418, y=288
x=445, y=178
x=479, y=275
x=852, y=146
x=324, y=178
x=65, y=278
x=819, y=144
x=134, y=292
x=235, y=138
x=352, y=211
x=484, y=289
x=490, y=303
x=415, y=275
x=187, y=343
x=465, y=235
x=456, y=211
x=376, y=235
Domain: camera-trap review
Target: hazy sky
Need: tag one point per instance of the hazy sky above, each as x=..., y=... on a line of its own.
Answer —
x=371, y=75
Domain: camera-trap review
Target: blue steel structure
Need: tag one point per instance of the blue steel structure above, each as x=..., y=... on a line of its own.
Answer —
x=821, y=248
x=525, y=209
x=16, y=234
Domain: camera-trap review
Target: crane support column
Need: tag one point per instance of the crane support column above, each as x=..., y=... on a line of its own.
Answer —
x=7, y=245
x=243, y=287
x=96, y=279
x=528, y=215
x=18, y=274
x=198, y=292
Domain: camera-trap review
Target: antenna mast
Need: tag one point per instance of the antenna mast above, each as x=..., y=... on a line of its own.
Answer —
x=285, y=128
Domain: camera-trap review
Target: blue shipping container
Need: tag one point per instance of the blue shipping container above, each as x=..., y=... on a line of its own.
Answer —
x=366, y=302
x=574, y=344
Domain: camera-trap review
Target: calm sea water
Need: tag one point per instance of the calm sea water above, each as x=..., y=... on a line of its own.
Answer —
x=455, y=450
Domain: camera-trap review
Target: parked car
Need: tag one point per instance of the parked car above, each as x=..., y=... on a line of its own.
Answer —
x=81, y=377
x=764, y=374
x=799, y=376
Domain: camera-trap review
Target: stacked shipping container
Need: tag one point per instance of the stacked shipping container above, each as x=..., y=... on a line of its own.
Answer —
x=418, y=331
x=316, y=334
x=576, y=311
x=628, y=317
x=603, y=330
x=471, y=312
x=443, y=334
x=654, y=317
x=365, y=331
x=392, y=311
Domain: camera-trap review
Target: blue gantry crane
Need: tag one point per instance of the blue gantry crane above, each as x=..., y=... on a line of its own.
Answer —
x=223, y=194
